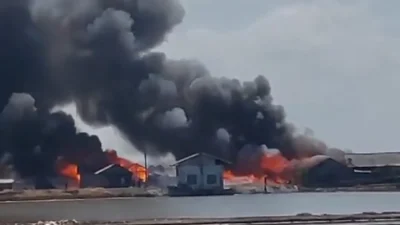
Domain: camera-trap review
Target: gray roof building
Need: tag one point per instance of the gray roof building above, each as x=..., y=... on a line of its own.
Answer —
x=380, y=159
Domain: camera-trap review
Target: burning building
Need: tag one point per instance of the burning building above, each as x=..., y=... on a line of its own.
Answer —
x=100, y=55
x=111, y=176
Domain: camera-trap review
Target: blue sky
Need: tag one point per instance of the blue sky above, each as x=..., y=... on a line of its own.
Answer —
x=332, y=64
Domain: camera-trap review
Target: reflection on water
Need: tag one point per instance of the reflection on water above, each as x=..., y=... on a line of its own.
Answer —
x=224, y=206
x=279, y=204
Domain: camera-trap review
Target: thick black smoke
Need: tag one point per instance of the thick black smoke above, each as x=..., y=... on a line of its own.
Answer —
x=39, y=141
x=99, y=55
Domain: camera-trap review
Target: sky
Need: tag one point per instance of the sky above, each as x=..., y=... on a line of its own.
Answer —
x=332, y=64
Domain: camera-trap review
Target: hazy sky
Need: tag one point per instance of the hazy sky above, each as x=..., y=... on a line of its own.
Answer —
x=333, y=64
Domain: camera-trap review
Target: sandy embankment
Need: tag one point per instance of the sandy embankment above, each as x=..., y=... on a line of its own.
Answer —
x=26, y=195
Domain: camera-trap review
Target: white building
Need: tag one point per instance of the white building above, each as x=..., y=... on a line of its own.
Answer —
x=201, y=171
x=6, y=184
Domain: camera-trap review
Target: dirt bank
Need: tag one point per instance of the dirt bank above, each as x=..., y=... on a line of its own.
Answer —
x=26, y=195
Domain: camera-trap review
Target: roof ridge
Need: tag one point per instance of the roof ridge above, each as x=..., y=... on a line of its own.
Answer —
x=105, y=168
x=198, y=154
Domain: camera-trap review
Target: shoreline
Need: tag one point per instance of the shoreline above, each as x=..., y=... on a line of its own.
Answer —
x=75, y=194
x=258, y=189
x=135, y=192
x=303, y=218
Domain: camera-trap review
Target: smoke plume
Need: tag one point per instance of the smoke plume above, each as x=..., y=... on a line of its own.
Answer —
x=99, y=55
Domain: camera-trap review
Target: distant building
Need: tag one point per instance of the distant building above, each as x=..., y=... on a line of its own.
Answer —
x=380, y=164
x=6, y=184
x=328, y=173
x=115, y=175
x=201, y=171
x=360, y=168
x=379, y=159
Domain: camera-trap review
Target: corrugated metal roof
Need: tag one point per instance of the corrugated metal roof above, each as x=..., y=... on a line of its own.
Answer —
x=373, y=159
x=6, y=181
x=197, y=155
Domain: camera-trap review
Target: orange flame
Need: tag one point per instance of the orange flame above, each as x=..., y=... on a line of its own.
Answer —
x=68, y=170
x=137, y=169
x=230, y=176
x=277, y=169
x=273, y=166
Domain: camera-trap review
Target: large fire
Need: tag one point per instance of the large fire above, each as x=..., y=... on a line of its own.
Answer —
x=137, y=170
x=71, y=170
x=271, y=167
x=68, y=170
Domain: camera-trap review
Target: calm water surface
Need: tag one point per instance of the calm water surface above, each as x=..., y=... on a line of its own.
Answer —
x=225, y=206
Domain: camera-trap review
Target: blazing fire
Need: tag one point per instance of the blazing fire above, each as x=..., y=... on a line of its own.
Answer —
x=274, y=169
x=68, y=170
x=71, y=171
x=138, y=170
x=230, y=176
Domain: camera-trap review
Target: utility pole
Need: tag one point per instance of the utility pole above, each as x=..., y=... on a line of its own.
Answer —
x=265, y=184
x=146, y=175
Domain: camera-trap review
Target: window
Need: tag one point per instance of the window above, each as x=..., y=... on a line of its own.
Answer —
x=191, y=179
x=218, y=162
x=211, y=179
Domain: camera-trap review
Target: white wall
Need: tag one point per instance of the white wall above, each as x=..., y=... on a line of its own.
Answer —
x=185, y=170
x=216, y=170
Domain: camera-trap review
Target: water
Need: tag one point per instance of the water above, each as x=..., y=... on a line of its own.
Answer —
x=215, y=206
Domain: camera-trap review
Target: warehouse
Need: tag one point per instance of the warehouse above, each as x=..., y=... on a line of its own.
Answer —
x=328, y=173
x=382, y=166
x=111, y=176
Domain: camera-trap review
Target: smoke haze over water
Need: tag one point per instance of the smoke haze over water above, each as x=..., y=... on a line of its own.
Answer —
x=99, y=55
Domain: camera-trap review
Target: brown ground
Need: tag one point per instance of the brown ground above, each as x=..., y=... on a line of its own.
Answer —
x=12, y=195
